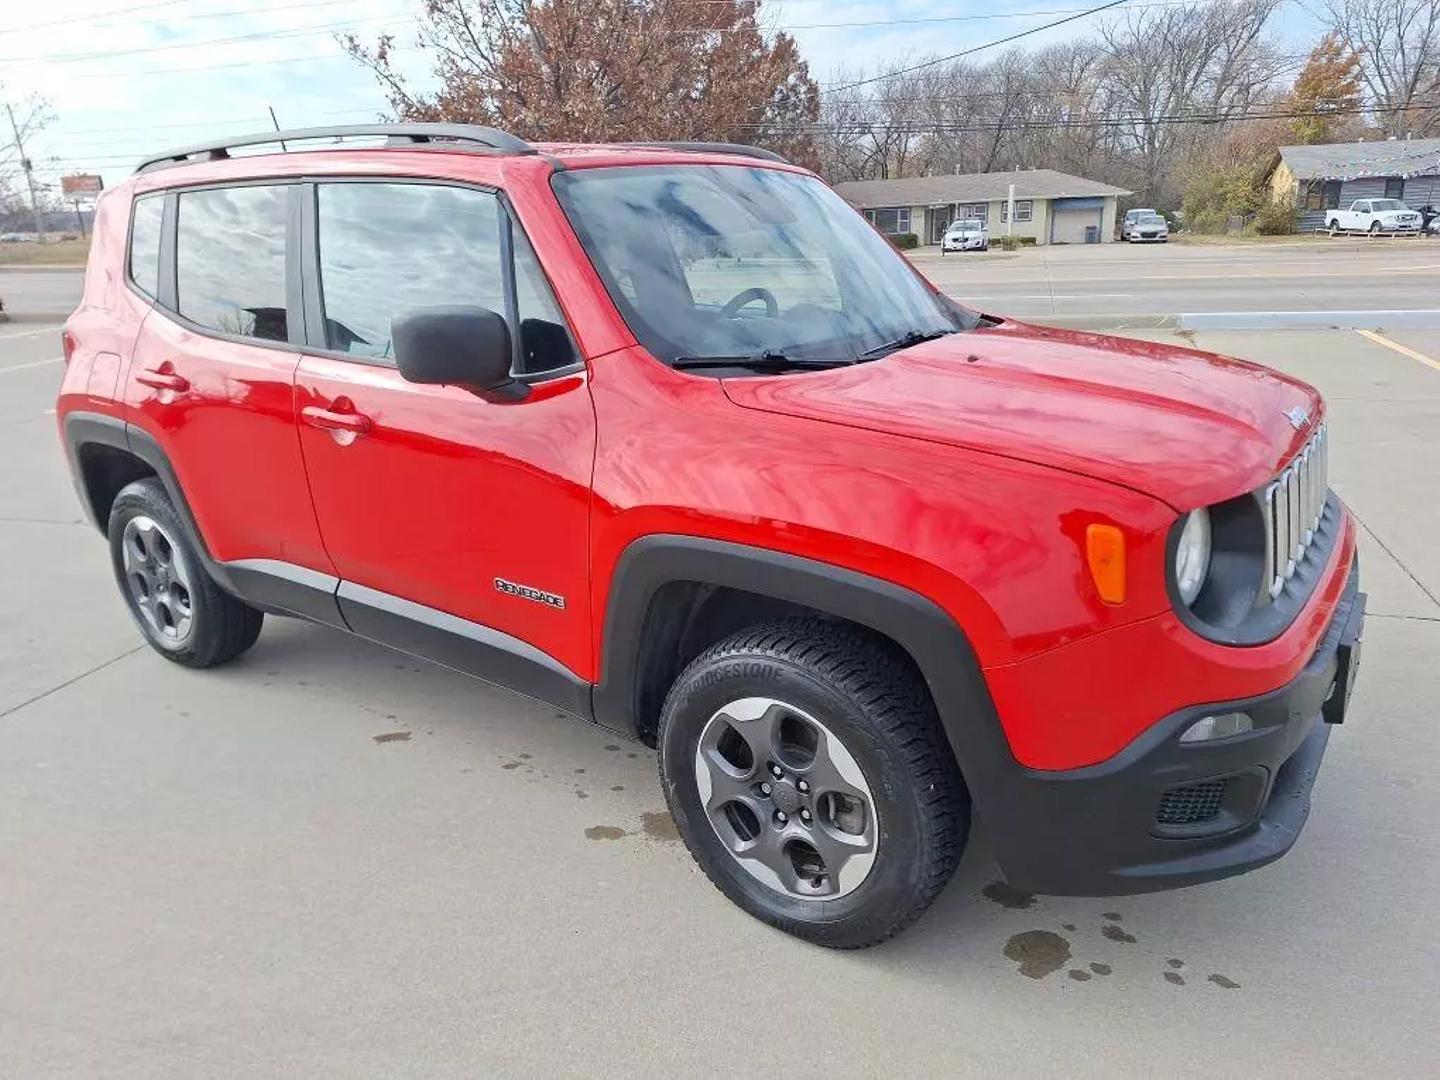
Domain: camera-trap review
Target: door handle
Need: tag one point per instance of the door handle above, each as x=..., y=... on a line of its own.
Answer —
x=162, y=379
x=329, y=420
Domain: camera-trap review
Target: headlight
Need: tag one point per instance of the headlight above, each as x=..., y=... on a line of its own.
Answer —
x=1192, y=555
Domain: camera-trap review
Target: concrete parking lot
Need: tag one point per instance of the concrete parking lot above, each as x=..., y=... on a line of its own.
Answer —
x=331, y=860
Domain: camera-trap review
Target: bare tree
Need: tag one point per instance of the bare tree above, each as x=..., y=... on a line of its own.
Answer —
x=1169, y=65
x=1399, y=46
x=30, y=114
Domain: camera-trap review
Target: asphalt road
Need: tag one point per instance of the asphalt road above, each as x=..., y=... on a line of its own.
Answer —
x=1340, y=274
x=331, y=860
x=39, y=294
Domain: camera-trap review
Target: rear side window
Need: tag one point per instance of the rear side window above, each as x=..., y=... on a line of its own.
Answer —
x=230, y=260
x=145, y=244
x=387, y=249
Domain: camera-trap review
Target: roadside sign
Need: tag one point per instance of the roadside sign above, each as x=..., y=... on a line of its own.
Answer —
x=79, y=185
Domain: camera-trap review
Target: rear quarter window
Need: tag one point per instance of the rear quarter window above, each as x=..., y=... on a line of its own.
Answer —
x=144, y=255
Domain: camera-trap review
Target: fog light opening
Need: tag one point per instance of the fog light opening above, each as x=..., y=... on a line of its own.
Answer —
x=1223, y=726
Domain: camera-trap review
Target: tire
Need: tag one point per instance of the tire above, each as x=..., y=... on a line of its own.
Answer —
x=858, y=698
x=1334, y=226
x=1374, y=229
x=179, y=609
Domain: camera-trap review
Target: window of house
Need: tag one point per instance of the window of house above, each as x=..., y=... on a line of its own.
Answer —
x=1395, y=187
x=977, y=211
x=890, y=220
x=1024, y=210
x=1322, y=195
x=145, y=244
x=230, y=260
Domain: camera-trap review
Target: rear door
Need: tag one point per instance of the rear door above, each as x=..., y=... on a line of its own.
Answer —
x=211, y=379
x=449, y=518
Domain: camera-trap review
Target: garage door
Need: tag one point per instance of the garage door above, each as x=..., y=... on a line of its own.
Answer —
x=1069, y=224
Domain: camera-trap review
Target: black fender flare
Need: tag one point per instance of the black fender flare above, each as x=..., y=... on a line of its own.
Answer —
x=936, y=643
x=90, y=429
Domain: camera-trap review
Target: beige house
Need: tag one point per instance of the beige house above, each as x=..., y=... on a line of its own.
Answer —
x=1053, y=207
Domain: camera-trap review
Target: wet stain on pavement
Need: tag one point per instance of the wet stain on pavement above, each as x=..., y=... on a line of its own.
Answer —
x=1080, y=976
x=1068, y=926
x=581, y=794
x=1117, y=933
x=1101, y=969
x=617, y=787
x=605, y=832
x=659, y=825
x=1175, y=962
x=1038, y=952
x=611, y=746
x=392, y=736
x=1175, y=977
x=1226, y=983
x=1007, y=896
x=1113, y=916
x=511, y=765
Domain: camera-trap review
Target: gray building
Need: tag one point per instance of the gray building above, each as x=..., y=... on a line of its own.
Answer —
x=1331, y=176
x=1053, y=207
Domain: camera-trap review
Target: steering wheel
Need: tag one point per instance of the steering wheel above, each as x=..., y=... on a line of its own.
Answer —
x=740, y=299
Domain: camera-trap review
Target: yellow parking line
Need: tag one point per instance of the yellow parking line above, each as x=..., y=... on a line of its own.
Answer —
x=1403, y=350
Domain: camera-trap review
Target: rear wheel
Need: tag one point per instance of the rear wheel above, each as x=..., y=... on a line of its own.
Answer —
x=806, y=769
x=183, y=614
x=1334, y=226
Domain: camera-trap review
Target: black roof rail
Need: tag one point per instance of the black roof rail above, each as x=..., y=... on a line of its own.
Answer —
x=715, y=148
x=395, y=134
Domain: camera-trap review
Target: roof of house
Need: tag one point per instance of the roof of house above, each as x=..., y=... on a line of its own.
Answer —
x=971, y=187
x=1352, y=160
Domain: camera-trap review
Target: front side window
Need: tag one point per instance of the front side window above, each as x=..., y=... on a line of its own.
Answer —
x=230, y=260
x=145, y=244
x=387, y=249
x=725, y=260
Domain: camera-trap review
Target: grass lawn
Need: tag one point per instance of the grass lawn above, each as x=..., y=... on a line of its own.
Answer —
x=56, y=253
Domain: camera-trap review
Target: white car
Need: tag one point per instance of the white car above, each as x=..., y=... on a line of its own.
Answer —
x=1375, y=216
x=966, y=235
x=1144, y=227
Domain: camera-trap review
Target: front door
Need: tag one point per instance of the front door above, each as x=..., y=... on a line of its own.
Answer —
x=445, y=513
x=940, y=218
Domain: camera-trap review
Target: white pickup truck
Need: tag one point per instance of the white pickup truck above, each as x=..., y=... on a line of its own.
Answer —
x=1375, y=216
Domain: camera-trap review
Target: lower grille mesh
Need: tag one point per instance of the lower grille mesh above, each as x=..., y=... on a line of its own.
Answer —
x=1191, y=803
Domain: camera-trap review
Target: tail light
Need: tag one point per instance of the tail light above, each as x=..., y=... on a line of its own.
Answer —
x=67, y=345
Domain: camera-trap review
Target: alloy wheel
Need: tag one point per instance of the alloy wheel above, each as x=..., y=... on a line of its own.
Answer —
x=787, y=799
x=158, y=578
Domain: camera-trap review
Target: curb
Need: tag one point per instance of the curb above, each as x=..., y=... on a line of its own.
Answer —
x=1424, y=319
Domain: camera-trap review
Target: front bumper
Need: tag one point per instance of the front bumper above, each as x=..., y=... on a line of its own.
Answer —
x=1101, y=830
x=964, y=245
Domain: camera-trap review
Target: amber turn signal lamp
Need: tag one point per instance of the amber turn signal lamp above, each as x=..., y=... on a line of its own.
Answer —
x=1105, y=552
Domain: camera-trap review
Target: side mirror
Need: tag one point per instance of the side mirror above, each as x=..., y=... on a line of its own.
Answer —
x=457, y=346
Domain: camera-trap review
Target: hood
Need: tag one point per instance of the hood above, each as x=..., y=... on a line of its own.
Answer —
x=1187, y=427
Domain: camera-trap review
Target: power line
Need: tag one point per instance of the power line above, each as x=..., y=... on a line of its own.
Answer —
x=102, y=15
x=978, y=48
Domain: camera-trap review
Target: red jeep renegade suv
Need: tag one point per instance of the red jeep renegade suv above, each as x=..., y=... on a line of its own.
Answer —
x=668, y=437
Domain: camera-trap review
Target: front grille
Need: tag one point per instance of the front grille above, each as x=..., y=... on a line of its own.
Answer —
x=1294, y=503
x=1191, y=803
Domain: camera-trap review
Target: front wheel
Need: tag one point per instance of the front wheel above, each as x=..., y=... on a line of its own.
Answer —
x=1374, y=228
x=805, y=767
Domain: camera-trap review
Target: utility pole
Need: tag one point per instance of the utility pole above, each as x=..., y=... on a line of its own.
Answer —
x=29, y=175
x=1010, y=211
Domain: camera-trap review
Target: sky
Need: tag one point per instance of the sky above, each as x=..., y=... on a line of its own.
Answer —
x=128, y=78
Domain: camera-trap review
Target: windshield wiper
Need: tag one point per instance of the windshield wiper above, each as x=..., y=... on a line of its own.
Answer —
x=770, y=360
x=905, y=340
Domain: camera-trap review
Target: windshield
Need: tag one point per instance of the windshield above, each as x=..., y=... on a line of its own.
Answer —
x=728, y=261
x=1151, y=219
x=967, y=227
x=1388, y=204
